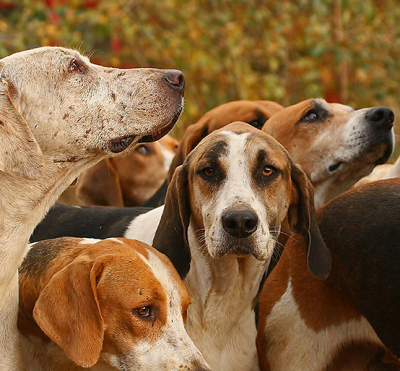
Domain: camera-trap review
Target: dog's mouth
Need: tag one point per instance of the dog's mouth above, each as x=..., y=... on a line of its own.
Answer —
x=160, y=133
x=386, y=155
x=240, y=252
x=121, y=144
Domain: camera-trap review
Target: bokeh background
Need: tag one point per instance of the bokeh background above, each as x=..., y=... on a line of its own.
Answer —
x=345, y=51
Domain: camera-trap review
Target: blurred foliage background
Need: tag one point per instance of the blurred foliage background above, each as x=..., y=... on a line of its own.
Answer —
x=346, y=51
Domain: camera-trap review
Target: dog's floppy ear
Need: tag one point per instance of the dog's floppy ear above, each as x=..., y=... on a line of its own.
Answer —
x=100, y=185
x=302, y=220
x=68, y=311
x=20, y=154
x=192, y=137
x=171, y=235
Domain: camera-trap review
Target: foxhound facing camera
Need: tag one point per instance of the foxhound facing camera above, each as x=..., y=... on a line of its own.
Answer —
x=113, y=304
x=222, y=216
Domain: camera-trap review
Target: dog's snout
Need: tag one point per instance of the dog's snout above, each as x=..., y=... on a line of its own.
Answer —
x=380, y=118
x=175, y=79
x=240, y=223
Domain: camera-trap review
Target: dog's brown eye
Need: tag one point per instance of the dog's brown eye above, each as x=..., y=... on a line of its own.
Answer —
x=143, y=311
x=268, y=170
x=175, y=147
x=142, y=150
x=208, y=171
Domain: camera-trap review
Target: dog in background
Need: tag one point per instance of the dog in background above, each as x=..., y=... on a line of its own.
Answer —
x=334, y=144
x=127, y=180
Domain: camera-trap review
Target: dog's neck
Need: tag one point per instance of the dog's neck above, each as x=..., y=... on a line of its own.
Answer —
x=221, y=318
x=23, y=203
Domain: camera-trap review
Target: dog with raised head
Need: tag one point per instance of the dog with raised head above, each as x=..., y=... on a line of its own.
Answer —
x=349, y=321
x=334, y=144
x=127, y=180
x=222, y=215
x=59, y=115
x=114, y=304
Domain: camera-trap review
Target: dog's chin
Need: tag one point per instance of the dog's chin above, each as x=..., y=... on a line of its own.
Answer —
x=120, y=144
x=239, y=250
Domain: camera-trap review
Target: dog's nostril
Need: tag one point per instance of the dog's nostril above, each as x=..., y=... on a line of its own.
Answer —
x=240, y=223
x=381, y=117
x=175, y=79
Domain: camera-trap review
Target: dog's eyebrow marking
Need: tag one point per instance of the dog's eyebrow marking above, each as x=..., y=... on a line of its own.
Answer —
x=216, y=151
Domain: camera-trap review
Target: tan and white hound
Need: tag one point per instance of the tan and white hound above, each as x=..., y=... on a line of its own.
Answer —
x=114, y=304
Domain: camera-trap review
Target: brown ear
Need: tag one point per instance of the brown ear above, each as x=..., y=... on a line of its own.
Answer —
x=192, y=137
x=68, y=312
x=171, y=235
x=302, y=219
x=100, y=185
x=20, y=154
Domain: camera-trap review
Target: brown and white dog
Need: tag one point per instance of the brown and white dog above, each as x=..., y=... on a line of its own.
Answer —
x=222, y=216
x=255, y=113
x=114, y=304
x=128, y=180
x=345, y=321
x=219, y=226
x=334, y=144
x=59, y=115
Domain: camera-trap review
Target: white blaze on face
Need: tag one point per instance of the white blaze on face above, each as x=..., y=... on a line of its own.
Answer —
x=173, y=349
x=236, y=192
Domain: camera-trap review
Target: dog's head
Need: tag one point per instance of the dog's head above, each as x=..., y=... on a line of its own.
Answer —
x=53, y=101
x=255, y=113
x=235, y=189
x=117, y=302
x=335, y=145
x=128, y=180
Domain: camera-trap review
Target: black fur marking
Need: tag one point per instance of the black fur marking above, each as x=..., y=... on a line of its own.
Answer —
x=88, y=221
x=40, y=256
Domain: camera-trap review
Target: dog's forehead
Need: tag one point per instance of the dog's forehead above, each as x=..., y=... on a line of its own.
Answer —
x=43, y=54
x=255, y=145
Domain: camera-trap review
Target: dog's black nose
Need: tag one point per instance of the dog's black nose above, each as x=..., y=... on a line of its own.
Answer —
x=240, y=223
x=175, y=79
x=380, y=118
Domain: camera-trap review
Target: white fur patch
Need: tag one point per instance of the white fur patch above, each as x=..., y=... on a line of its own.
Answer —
x=89, y=241
x=144, y=227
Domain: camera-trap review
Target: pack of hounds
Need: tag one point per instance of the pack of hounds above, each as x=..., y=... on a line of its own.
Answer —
x=266, y=239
